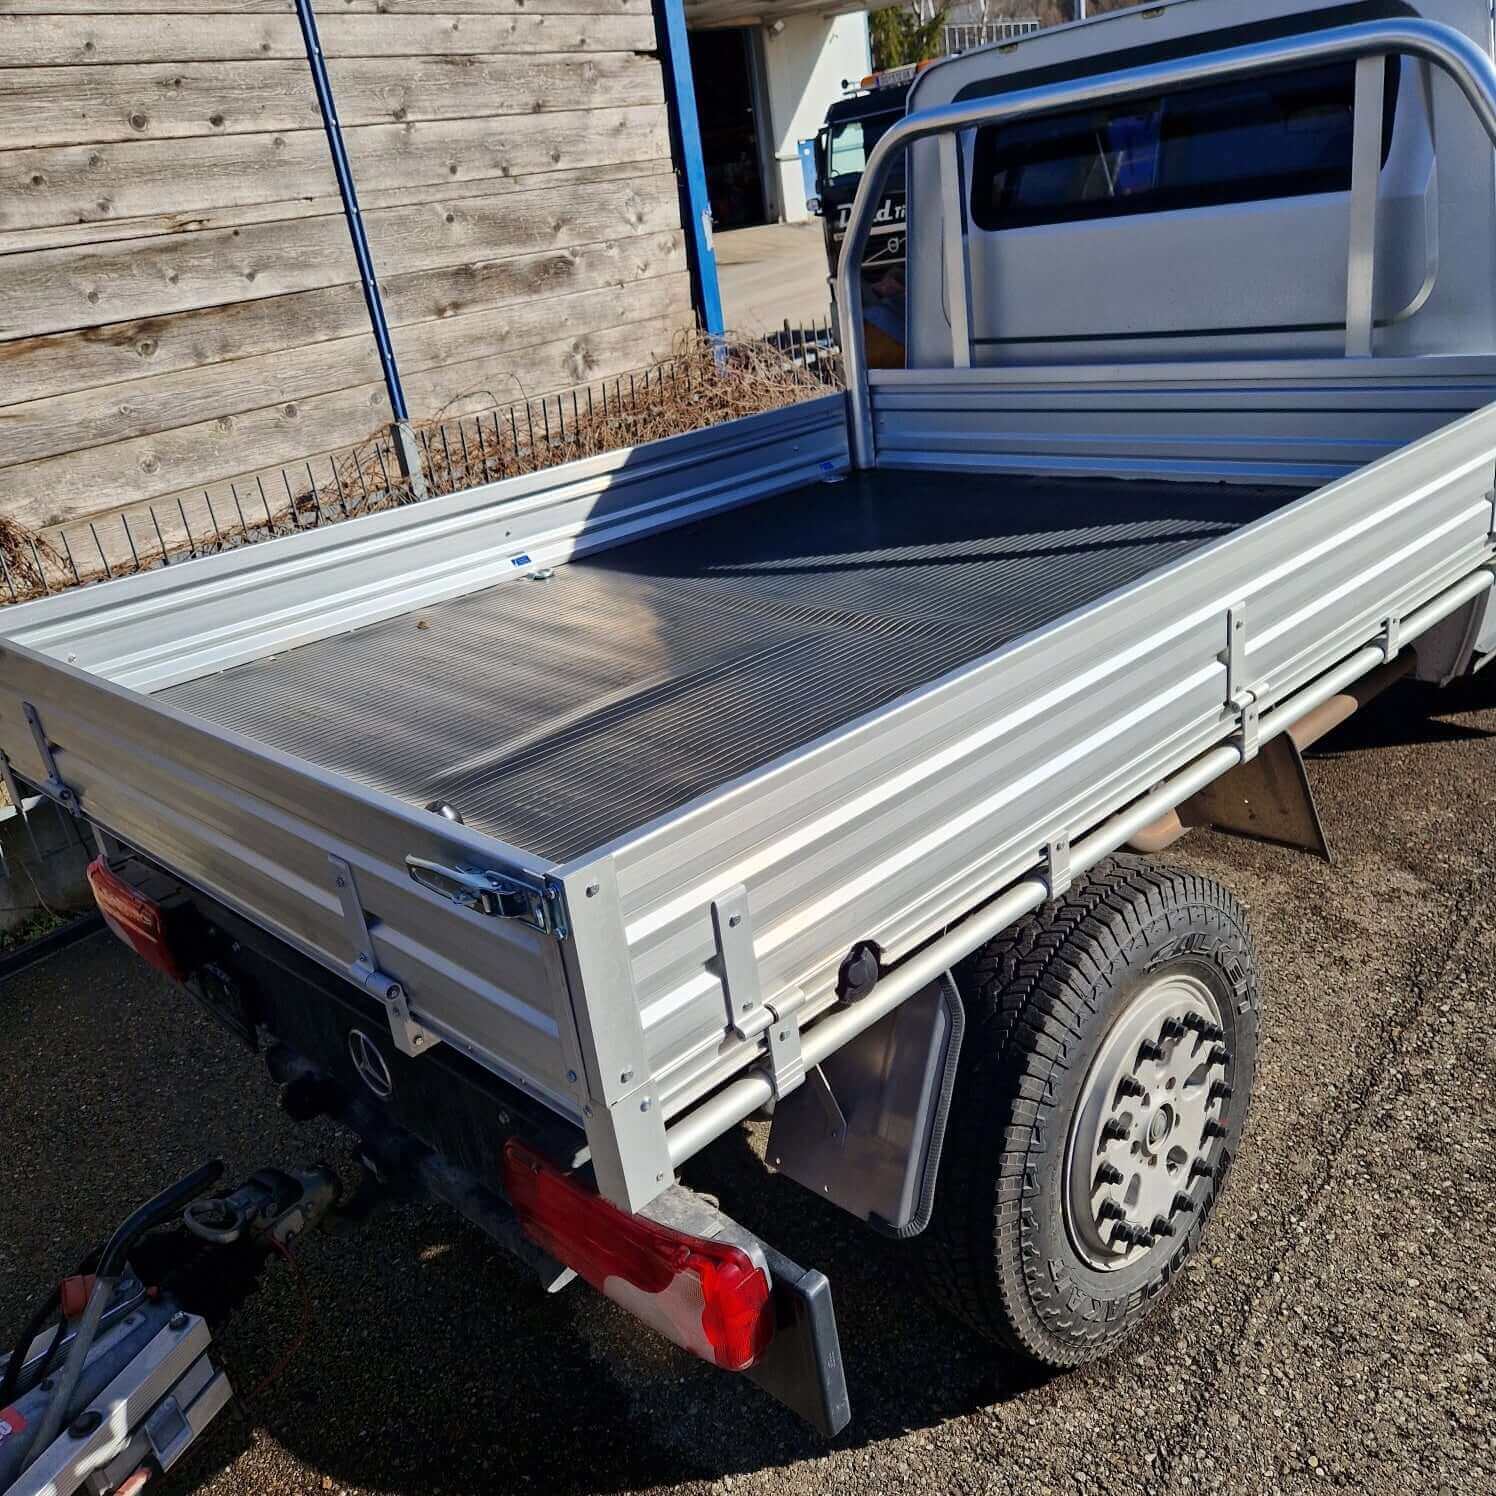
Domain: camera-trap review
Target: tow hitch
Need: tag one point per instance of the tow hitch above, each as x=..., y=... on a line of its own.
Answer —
x=111, y=1380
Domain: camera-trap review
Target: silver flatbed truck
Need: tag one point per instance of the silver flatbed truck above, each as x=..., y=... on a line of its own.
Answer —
x=547, y=832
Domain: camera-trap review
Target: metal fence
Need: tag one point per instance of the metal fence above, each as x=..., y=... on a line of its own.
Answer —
x=681, y=393
x=812, y=347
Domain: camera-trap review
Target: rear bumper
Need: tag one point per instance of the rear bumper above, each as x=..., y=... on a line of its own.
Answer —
x=438, y=1126
x=802, y=1367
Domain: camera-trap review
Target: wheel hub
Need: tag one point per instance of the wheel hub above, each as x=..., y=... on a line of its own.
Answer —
x=1149, y=1124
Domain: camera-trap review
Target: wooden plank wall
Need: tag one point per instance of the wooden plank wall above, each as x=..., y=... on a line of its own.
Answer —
x=178, y=297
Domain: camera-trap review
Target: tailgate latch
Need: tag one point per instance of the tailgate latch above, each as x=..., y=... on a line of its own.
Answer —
x=498, y=895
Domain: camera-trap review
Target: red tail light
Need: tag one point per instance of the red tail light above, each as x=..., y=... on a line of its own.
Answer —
x=134, y=918
x=708, y=1297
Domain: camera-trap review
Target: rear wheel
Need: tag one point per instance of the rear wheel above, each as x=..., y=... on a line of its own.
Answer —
x=1104, y=1087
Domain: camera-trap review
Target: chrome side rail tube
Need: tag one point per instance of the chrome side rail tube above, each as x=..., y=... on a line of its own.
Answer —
x=1453, y=53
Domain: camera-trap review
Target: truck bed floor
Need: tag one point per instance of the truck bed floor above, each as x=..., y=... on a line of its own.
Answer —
x=560, y=714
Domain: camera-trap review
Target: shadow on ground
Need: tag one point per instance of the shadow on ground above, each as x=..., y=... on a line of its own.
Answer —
x=433, y=1363
x=437, y=1365
x=1414, y=713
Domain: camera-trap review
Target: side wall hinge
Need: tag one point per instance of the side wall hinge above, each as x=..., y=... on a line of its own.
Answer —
x=55, y=788
x=748, y=1015
x=1058, y=872
x=1249, y=734
x=1243, y=701
x=1391, y=637
x=786, y=1058
x=410, y=1037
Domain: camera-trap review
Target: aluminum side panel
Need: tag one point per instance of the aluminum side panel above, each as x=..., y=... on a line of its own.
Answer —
x=893, y=827
x=256, y=831
x=193, y=618
x=1141, y=420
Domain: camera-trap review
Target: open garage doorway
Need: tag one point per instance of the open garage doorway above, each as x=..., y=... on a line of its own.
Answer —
x=724, y=64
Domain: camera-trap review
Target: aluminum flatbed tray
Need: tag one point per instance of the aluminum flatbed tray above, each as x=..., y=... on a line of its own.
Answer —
x=563, y=713
x=751, y=719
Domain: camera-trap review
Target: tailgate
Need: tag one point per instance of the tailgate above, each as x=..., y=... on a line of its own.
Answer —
x=259, y=832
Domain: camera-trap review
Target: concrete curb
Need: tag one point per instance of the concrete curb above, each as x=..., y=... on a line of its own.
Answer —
x=44, y=858
x=24, y=957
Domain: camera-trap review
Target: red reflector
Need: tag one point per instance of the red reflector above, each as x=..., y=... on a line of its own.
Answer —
x=708, y=1297
x=134, y=918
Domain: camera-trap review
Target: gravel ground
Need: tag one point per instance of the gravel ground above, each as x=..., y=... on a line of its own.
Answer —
x=1336, y=1332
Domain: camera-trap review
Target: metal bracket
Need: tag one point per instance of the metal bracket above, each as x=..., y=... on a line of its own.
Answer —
x=836, y=1120
x=786, y=1059
x=408, y=455
x=55, y=788
x=1234, y=656
x=1249, y=733
x=409, y=1036
x=1491, y=500
x=1391, y=637
x=733, y=928
x=1057, y=866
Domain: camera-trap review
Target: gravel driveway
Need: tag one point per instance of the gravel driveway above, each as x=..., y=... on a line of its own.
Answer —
x=1336, y=1331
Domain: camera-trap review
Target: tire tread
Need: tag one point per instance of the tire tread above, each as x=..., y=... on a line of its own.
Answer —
x=1030, y=995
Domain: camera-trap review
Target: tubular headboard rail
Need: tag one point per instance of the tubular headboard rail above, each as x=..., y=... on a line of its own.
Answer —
x=1456, y=55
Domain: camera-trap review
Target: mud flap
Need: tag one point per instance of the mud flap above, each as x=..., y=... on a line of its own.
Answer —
x=866, y=1129
x=1267, y=799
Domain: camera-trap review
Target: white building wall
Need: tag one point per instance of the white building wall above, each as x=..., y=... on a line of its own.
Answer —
x=805, y=65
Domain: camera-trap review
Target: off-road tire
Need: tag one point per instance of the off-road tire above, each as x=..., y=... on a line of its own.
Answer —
x=1041, y=999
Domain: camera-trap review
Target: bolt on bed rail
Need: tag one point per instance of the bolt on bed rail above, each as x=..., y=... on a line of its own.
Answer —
x=1368, y=43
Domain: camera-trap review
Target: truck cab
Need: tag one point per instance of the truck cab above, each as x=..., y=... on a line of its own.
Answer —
x=1213, y=222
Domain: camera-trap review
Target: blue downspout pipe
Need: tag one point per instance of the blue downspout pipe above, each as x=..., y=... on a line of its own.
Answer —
x=685, y=147
x=349, y=194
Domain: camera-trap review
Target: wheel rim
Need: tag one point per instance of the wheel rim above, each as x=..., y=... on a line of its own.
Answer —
x=1150, y=1124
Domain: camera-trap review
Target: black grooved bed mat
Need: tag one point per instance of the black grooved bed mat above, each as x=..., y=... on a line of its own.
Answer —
x=559, y=714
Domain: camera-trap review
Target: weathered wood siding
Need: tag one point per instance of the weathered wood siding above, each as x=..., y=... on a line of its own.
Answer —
x=178, y=297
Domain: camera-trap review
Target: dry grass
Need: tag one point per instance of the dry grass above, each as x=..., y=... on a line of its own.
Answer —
x=705, y=383
x=26, y=554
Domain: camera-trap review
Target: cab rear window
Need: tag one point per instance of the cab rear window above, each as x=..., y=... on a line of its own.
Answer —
x=1288, y=135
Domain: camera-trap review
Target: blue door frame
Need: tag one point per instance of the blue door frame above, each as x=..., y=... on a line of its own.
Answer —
x=690, y=167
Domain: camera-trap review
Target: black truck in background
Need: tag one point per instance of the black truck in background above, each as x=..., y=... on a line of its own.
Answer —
x=854, y=125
